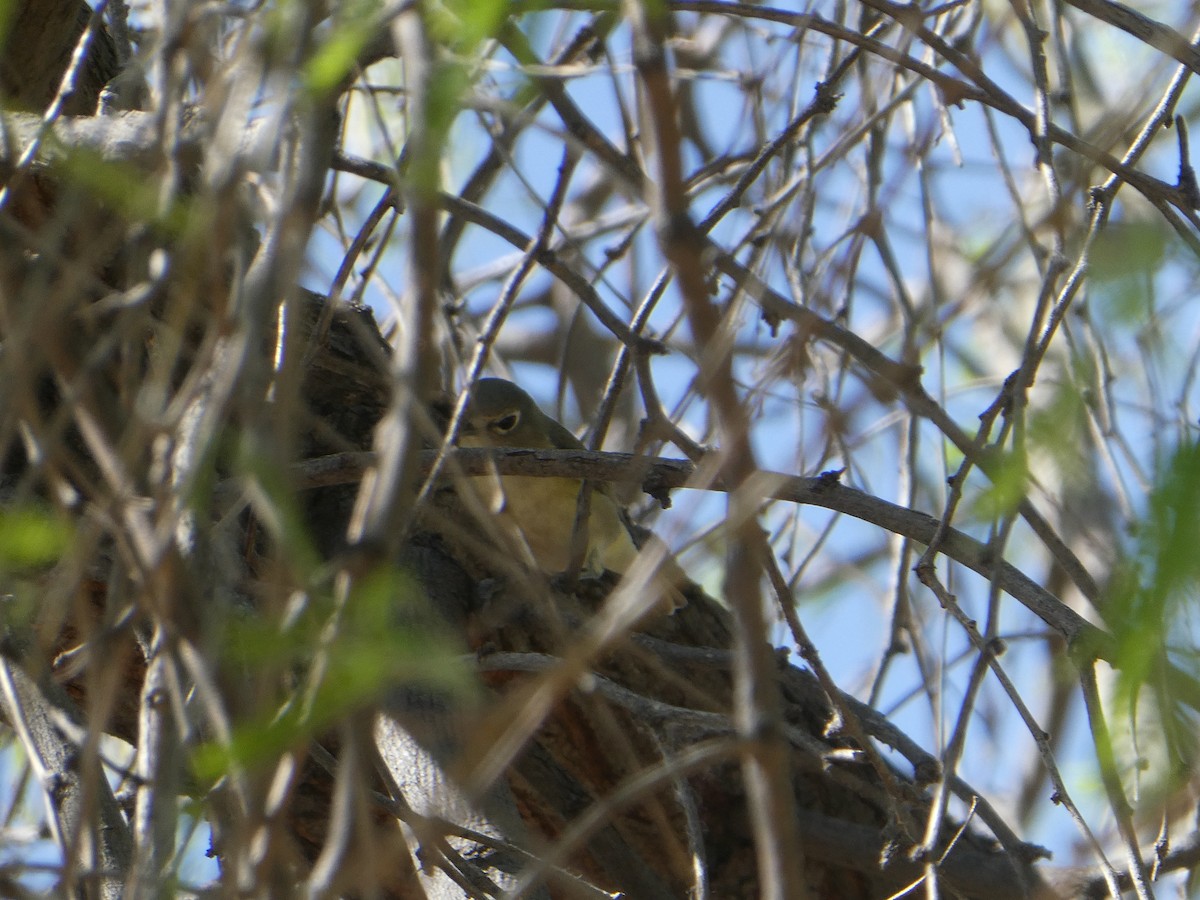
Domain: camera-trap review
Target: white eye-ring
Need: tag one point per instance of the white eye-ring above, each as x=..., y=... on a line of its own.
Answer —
x=505, y=424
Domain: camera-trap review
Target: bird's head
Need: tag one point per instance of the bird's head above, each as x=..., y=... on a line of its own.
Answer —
x=500, y=414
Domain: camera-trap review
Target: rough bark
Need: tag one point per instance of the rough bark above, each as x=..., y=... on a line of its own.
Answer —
x=40, y=37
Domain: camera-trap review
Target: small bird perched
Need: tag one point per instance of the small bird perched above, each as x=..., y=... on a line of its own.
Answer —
x=500, y=414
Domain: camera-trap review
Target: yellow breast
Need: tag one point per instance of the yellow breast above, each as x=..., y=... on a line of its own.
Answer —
x=543, y=510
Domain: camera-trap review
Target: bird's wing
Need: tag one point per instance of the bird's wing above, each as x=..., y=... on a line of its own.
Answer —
x=560, y=438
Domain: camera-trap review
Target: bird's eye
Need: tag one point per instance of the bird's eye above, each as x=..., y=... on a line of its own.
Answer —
x=507, y=423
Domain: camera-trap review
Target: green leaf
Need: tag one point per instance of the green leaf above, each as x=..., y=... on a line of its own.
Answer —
x=1008, y=487
x=126, y=189
x=1122, y=265
x=1126, y=249
x=1152, y=601
x=338, y=55
x=31, y=537
x=276, y=505
x=7, y=8
x=344, y=658
x=468, y=23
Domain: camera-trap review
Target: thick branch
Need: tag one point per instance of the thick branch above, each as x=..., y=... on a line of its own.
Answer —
x=660, y=475
x=130, y=137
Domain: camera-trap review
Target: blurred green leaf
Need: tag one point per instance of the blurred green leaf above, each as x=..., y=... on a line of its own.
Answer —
x=125, y=188
x=1151, y=601
x=277, y=506
x=446, y=89
x=467, y=23
x=336, y=57
x=1127, y=248
x=1057, y=427
x=1169, y=540
x=1009, y=483
x=7, y=8
x=31, y=536
x=1121, y=266
x=385, y=635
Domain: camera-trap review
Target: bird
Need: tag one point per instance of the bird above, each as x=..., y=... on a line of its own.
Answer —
x=543, y=510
